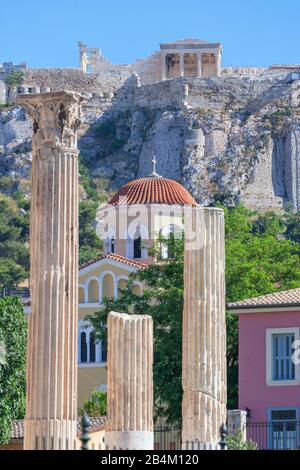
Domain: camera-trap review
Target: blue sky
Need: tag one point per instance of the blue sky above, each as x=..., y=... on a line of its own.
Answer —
x=45, y=33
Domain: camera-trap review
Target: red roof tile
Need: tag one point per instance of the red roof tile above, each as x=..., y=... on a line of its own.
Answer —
x=153, y=190
x=115, y=257
x=288, y=298
x=97, y=424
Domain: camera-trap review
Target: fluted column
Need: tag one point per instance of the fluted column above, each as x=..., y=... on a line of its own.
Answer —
x=163, y=66
x=199, y=65
x=204, y=332
x=130, y=382
x=181, y=64
x=51, y=404
x=219, y=63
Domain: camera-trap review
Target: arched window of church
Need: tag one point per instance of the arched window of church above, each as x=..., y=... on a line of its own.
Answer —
x=137, y=245
x=93, y=291
x=83, y=347
x=92, y=348
x=81, y=295
x=171, y=245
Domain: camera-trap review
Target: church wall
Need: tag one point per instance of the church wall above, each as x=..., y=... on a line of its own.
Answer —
x=90, y=378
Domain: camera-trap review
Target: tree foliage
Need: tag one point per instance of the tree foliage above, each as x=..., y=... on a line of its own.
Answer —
x=90, y=246
x=259, y=260
x=96, y=405
x=236, y=442
x=13, y=334
x=13, y=79
x=14, y=233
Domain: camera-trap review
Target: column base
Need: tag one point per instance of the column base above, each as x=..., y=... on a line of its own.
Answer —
x=201, y=446
x=49, y=434
x=129, y=440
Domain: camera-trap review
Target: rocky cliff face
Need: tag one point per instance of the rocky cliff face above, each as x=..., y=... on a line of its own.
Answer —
x=230, y=139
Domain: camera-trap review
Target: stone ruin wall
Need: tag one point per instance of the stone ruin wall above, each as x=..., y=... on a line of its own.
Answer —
x=149, y=69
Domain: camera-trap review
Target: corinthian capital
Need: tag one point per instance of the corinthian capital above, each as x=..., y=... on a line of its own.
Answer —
x=56, y=117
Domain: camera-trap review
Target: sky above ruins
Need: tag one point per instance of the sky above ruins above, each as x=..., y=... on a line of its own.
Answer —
x=45, y=33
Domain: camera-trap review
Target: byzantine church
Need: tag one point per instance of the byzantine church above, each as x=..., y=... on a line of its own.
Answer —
x=141, y=214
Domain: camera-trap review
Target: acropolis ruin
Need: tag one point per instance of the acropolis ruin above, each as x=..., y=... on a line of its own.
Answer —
x=183, y=58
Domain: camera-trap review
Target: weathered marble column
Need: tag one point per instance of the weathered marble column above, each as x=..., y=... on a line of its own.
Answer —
x=218, y=63
x=51, y=405
x=204, y=332
x=129, y=383
x=199, y=65
x=181, y=64
x=163, y=66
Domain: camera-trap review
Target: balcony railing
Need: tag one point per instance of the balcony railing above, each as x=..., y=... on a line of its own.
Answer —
x=275, y=435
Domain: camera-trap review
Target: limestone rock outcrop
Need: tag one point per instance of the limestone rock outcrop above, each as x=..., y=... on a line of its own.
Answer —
x=230, y=138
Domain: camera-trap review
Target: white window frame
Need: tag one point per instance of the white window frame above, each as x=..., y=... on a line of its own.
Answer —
x=83, y=327
x=269, y=357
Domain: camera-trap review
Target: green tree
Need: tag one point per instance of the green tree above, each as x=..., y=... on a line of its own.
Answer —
x=13, y=79
x=11, y=274
x=236, y=442
x=292, y=221
x=257, y=262
x=96, y=405
x=90, y=246
x=163, y=300
x=89, y=242
x=13, y=335
x=14, y=234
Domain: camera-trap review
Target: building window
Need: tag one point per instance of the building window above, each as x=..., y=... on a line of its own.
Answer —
x=81, y=295
x=282, y=351
x=171, y=246
x=283, y=429
x=280, y=366
x=83, y=347
x=90, y=350
x=103, y=350
x=110, y=245
x=137, y=246
x=93, y=291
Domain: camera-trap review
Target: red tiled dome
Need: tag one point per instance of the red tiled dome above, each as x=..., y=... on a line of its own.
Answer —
x=153, y=190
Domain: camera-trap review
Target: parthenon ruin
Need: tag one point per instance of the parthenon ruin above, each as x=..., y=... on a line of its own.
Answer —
x=190, y=58
x=183, y=58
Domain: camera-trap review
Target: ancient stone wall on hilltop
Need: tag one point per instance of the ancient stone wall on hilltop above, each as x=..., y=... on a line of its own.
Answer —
x=227, y=138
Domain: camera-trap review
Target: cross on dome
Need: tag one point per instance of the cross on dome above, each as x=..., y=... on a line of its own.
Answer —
x=154, y=174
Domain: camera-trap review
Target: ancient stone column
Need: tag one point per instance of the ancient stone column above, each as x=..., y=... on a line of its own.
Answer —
x=204, y=332
x=218, y=63
x=163, y=66
x=199, y=65
x=181, y=64
x=129, y=383
x=51, y=406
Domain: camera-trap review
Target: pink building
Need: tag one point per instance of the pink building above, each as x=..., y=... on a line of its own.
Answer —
x=269, y=368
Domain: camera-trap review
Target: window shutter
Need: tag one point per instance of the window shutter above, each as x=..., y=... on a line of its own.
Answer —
x=283, y=367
